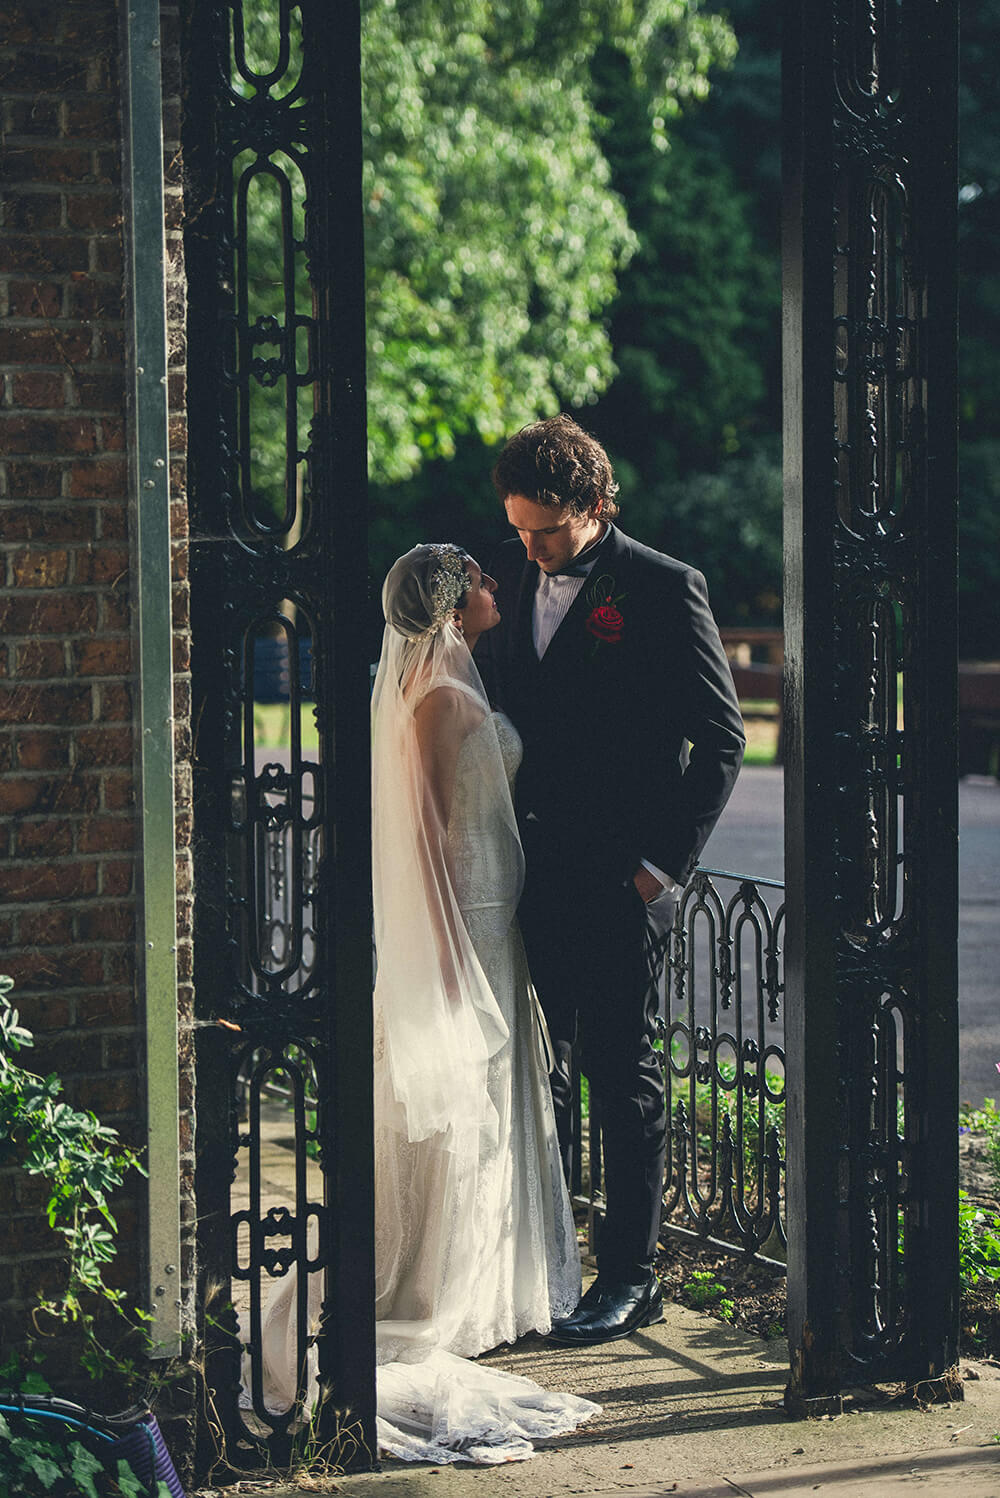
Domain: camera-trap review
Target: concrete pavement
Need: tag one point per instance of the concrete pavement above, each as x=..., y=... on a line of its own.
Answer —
x=693, y=1409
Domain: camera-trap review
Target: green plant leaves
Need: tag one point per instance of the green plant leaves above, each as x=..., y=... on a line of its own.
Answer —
x=84, y=1467
x=978, y=1243
x=82, y=1161
x=130, y=1487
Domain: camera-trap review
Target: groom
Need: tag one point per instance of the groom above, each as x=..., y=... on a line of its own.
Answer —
x=609, y=663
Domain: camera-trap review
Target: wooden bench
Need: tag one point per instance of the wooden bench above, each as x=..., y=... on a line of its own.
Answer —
x=758, y=681
x=755, y=644
x=979, y=718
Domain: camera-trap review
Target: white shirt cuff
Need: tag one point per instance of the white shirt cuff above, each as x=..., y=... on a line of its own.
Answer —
x=670, y=886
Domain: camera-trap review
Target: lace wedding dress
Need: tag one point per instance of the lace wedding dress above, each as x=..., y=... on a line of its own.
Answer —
x=476, y=1249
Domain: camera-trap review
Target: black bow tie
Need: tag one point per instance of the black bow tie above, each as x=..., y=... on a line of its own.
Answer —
x=580, y=566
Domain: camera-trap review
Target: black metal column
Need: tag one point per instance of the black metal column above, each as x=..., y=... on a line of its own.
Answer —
x=272, y=144
x=870, y=329
x=335, y=246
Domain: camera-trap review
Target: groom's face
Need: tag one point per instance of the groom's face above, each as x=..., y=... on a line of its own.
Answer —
x=550, y=536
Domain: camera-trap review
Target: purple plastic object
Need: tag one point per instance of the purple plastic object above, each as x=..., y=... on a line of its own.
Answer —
x=146, y=1453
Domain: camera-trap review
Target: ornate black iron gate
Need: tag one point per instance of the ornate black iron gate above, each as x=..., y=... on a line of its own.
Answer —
x=870, y=649
x=273, y=245
x=277, y=481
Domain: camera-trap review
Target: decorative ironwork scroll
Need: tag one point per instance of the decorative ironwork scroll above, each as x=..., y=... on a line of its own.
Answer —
x=724, y=1064
x=282, y=944
x=724, y=1071
x=871, y=819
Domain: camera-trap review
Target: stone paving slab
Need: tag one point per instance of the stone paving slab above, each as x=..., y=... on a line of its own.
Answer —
x=948, y=1473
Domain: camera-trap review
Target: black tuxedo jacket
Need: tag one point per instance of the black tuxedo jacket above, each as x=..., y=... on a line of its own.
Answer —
x=606, y=716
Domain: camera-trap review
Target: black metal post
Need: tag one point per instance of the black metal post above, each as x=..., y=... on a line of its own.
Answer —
x=277, y=446
x=335, y=246
x=870, y=712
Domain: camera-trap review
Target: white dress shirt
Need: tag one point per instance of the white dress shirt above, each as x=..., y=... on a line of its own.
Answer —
x=553, y=597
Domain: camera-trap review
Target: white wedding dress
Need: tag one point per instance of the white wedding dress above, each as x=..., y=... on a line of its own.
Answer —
x=474, y=1236
x=475, y=1250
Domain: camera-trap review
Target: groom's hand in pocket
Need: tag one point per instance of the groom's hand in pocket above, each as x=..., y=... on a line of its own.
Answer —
x=647, y=884
x=659, y=899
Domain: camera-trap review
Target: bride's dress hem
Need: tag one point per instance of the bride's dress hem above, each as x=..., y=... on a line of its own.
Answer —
x=449, y=1409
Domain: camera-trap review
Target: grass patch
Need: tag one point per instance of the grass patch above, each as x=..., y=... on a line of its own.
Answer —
x=762, y=738
x=272, y=725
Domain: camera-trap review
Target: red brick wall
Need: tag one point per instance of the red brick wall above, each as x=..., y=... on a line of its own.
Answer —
x=68, y=828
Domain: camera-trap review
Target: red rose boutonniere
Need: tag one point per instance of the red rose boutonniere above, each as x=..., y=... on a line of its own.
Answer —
x=605, y=622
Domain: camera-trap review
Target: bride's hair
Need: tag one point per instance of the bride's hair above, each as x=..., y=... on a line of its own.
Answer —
x=424, y=586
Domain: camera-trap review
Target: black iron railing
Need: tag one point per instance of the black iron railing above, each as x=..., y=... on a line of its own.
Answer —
x=722, y=1032
x=721, y=1027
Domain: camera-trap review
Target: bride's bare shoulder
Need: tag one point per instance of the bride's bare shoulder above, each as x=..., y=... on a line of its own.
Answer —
x=442, y=703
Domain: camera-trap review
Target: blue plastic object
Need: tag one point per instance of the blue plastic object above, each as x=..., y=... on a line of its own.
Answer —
x=133, y=1436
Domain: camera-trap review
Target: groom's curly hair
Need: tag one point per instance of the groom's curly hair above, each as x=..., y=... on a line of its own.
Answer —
x=557, y=463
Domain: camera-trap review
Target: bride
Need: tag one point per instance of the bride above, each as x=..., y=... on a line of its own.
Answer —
x=474, y=1236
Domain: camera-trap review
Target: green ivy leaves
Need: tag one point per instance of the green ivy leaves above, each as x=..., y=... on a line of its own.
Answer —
x=80, y=1158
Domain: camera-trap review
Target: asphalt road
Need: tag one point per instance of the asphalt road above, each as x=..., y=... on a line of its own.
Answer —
x=749, y=840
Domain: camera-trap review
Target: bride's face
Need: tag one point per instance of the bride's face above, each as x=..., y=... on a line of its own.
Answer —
x=480, y=611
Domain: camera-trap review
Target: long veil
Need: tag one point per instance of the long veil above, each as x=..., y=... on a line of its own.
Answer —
x=435, y=1012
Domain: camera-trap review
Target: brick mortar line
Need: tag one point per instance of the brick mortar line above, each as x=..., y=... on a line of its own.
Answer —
x=58, y=413
x=53, y=954
x=73, y=905
x=36, y=187
x=21, y=141
x=114, y=1073
x=83, y=772
x=42, y=237
x=64, y=323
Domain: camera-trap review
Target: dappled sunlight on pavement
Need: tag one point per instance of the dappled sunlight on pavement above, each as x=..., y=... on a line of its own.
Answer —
x=691, y=1406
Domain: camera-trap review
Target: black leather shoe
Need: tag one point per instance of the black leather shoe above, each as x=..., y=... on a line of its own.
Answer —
x=610, y=1310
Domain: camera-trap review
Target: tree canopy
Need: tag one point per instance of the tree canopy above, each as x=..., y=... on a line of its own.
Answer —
x=576, y=205
x=494, y=235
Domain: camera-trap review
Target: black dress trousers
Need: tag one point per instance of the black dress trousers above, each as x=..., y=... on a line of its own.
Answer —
x=585, y=938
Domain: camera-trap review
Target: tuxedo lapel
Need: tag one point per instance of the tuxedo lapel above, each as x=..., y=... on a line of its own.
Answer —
x=522, y=646
x=572, y=640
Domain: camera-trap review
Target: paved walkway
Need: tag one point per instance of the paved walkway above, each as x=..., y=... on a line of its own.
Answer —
x=694, y=1409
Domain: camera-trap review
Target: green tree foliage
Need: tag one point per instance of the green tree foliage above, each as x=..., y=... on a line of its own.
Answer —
x=728, y=522
x=979, y=285
x=979, y=220
x=692, y=416
x=494, y=238
x=553, y=191
x=687, y=383
x=493, y=234
x=979, y=549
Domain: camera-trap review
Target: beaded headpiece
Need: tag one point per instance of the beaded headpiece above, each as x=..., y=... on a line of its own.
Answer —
x=448, y=581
